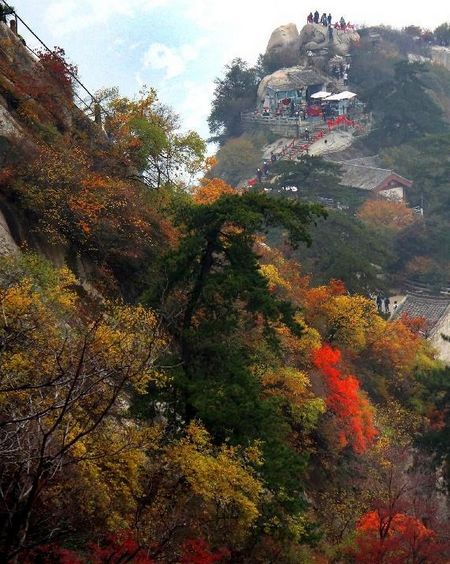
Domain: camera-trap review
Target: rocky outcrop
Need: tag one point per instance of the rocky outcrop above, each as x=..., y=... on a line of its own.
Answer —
x=7, y=244
x=314, y=37
x=283, y=38
x=290, y=79
x=441, y=56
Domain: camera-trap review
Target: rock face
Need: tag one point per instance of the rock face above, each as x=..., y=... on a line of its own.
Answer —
x=441, y=56
x=7, y=244
x=284, y=38
x=314, y=37
x=290, y=79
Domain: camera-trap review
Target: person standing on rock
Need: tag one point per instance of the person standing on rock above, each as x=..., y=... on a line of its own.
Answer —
x=330, y=34
x=323, y=20
x=316, y=17
x=329, y=19
x=310, y=18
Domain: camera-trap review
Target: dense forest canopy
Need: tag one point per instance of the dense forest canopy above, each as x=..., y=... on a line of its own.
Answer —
x=201, y=374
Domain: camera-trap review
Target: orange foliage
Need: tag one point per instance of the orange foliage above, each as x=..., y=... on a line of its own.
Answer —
x=393, y=346
x=74, y=203
x=345, y=399
x=396, y=539
x=417, y=325
x=211, y=190
x=387, y=214
x=316, y=297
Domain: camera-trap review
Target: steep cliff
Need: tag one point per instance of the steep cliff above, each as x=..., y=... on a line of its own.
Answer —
x=36, y=109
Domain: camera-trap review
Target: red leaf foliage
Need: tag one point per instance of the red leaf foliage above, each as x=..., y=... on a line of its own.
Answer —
x=346, y=400
x=197, y=551
x=118, y=548
x=50, y=554
x=63, y=72
x=395, y=539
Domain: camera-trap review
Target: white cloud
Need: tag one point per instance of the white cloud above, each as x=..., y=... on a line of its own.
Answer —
x=172, y=60
x=194, y=105
x=67, y=16
x=139, y=80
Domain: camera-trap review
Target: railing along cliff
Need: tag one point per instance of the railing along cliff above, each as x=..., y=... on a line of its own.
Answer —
x=98, y=108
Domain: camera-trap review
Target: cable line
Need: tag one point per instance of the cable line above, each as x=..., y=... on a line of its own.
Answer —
x=75, y=78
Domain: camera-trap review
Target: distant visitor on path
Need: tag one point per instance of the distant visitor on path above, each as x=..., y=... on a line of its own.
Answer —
x=379, y=303
x=387, y=303
x=330, y=33
x=259, y=174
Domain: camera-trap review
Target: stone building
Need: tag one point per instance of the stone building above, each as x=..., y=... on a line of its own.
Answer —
x=363, y=174
x=435, y=310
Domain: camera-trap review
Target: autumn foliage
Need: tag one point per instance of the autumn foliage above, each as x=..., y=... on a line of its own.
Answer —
x=211, y=411
x=210, y=190
x=387, y=214
x=345, y=399
x=383, y=537
x=59, y=69
x=123, y=547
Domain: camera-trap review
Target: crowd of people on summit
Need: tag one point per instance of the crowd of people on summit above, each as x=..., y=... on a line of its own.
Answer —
x=327, y=21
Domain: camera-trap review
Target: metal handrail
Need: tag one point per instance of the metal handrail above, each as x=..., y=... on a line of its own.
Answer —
x=74, y=76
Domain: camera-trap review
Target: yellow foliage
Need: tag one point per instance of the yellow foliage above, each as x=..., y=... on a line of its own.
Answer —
x=349, y=320
x=271, y=272
x=295, y=388
x=299, y=347
x=218, y=475
x=107, y=478
x=64, y=393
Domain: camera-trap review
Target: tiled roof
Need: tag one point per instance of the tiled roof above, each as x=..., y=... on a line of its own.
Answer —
x=368, y=177
x=363, y=177
x=431, y=309
x=373, y=161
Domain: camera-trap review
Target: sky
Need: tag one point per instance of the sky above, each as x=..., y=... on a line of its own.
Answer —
x=180, y=46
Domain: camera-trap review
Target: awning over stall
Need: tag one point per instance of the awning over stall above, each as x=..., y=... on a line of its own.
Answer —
x=346, y=95
x=320, y=95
